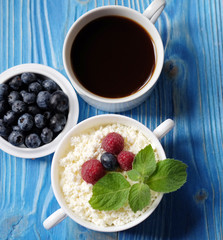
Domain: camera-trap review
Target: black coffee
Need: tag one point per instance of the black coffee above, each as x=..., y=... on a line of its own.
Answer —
x=113, y=57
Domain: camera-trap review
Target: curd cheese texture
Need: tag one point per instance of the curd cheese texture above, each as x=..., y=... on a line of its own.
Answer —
x=77, y=192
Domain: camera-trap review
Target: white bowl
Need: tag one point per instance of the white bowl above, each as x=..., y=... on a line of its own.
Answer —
x=73, y=114
x=65, y=211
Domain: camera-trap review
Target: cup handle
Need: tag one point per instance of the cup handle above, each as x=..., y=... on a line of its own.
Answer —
x=54, y=219
x=163, y=128
x=154, y=10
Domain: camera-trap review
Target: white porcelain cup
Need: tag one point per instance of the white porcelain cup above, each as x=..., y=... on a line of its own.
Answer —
x=146, y=20
x=64, y=211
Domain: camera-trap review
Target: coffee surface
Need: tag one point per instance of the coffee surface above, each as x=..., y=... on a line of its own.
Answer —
x=113, y=57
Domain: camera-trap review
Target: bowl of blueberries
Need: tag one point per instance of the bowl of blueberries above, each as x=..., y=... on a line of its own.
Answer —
x=38, y=106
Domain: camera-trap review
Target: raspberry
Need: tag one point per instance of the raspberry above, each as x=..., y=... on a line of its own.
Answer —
x=92, y=170
x=113, y=143
x=125, y=160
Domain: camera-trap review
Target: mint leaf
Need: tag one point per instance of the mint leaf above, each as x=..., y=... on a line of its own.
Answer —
x=145, y=162
x=139, y=196
x=134, y=175
x=169, y=176
x=110, y=192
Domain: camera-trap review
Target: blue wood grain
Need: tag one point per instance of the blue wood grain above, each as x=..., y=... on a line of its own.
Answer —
x=189, y=91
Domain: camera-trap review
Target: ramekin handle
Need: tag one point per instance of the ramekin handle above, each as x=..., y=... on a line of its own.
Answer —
x=163, y=128
x=54, y=219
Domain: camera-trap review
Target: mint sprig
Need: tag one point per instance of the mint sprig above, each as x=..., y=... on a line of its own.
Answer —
x=139, y=196
x=145, y=162
x=110, y=192
x=134, y=175
x=113, y=190
x=170, y=175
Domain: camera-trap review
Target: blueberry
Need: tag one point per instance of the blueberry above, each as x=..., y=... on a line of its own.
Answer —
x=49, y=85
x=13, y=96
x=16, y=83
x=4, y=89
x=46, y=135
x=109, y=161
x=34, y=87
x=57, y=122
x=19, y=106
x=43, y=99
x=3, y=107
x=29, y=98
x=32, y=140
x=28, y=77
x=59, y=101
x=4, y=130
x=16, y=138
x=25, y=122
x=10, y=117
x=33, y=109
x=40, y=121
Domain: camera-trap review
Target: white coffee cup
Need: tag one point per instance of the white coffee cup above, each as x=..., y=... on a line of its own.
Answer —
x=146, y=20
x=89, y=123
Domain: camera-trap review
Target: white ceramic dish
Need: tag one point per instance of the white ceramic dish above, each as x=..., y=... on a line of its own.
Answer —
x=49, y=73
x=62, y=213
x=146, y=20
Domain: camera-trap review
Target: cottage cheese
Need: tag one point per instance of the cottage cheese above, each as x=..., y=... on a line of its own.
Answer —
x=77, y=192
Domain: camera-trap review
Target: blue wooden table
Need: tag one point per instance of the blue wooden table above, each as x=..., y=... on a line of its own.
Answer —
x=189, y=91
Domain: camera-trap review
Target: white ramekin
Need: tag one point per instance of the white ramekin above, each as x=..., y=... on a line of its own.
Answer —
x=72, y=119
x=95, y=121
